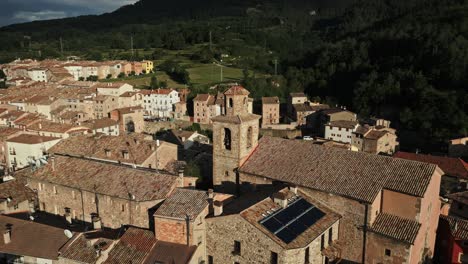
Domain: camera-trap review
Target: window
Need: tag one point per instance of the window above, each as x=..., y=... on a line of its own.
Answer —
x=226, y=174
x=237, y=248
x=322, y=242
x=330, y=235
x=123, y=208
x=55, y=190
x=274, y=258
x=231, y=103
x=227, y=138
x=210, y=260
x=306, y=256
x=388, y=252
x=249, y=137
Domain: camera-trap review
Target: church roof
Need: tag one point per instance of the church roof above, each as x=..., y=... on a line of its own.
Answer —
x=237, y=90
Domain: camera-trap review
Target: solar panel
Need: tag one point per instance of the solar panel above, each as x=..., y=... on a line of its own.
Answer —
x=290, y=222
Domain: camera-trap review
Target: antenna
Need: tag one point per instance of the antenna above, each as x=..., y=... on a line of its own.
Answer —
x=68, y=233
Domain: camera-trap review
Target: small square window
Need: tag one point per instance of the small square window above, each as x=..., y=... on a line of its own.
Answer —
x=237, y=248
x=388, y=252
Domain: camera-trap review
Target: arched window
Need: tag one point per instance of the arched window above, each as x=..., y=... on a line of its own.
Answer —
x=249, y=137
x=231, y=102
x=227, y=138
x=245, y=101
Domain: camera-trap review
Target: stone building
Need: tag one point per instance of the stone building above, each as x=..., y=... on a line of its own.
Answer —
x=373, y=140
x=15, y=197
x=205, y=108
x=264, y=228
x=82, y=189
x=181, y=220
x=130, y=149
x=131, y=119
x=389, y=207
x=105, y=126
x=270, y=110
x=235, y=136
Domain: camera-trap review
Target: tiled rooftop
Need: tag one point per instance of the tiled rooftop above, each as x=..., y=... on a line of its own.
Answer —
x=32, y=239
x=455, y=167
x=356, y=175
x=99, y=123
x=104, y=178
x=255, y=213
x=108, y=147
x=343, y=124
x=184, y=202
x=236, y=90
x=270, y=100
x=458, y=226
x=396, y=227
x=31, y=139
x=16, y=191
x=133, y=247
x=82, y=248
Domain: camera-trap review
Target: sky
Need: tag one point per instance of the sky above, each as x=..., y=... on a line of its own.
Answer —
x=18, y=11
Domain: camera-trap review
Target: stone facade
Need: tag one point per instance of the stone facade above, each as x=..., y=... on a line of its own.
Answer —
x=235, y=136
x=255, y=246
x=82, y=205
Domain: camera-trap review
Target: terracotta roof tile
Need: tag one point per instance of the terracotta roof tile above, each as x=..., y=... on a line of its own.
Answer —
x=236, y=90
x=184, y=202
x=458, y=227
x=355, y=175
x=99, y=123
x=202, y=97
x=451, y=166
x=396, y=227
x=165, y=252
x=31, y=139
x=343, y=124
x=32, y=239
x=82, y=247
x=96, y=146
x=16, y=191
x=133, y=247
x=270, y=100
x=104, y=178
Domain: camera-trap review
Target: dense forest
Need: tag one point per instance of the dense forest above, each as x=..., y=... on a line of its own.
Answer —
x=402, y=60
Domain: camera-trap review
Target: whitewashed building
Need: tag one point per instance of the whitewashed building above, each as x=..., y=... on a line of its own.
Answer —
x=25, y=149
x=160, y=102
x=341, y=130
x=38, y=74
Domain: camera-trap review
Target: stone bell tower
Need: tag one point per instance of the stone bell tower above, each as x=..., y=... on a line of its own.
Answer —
x=235, y=136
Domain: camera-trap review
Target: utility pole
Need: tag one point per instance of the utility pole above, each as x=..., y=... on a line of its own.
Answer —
x=221, y=66
x=211, y=41
x=276, y=66
x=131, y=45
x=61, y=46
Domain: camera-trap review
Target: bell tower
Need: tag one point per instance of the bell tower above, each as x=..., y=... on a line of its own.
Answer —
x=235, y=136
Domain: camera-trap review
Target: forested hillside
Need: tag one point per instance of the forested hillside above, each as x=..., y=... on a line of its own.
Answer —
x=406, y=60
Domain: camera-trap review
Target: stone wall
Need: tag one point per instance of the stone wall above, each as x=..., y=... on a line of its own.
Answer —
x=376, y=246
x=113, y=211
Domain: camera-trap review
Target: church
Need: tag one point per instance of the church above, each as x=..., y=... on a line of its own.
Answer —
x=388, y=208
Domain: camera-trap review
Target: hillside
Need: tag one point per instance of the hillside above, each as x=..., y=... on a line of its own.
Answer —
x=405, y=60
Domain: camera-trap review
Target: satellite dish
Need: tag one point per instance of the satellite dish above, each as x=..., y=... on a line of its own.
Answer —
x=68, y=233
x=31, y=218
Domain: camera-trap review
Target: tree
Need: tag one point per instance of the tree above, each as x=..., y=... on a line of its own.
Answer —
x=163, y=84
x=109, y=76
x=92, y=78
x=154, y=82
x=121, y=75
x=81, y=79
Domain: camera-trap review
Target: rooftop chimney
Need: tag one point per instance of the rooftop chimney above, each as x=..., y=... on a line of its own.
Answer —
x=293, y=189
x=97, y=222
x=181, y=177
x=52, y=162
x=108, y=152
x=40, y=126
x=217, y=208
x=210, y=194
x=7, y=235
x=68, y=217
x=280, y=199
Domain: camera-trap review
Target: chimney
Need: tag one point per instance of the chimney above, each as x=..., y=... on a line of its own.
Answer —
x=97, y=223
x=108, y=152
x=40, y=126
x=181, y=177
x=210, y=194
x=217, y=208
x=52, y=162
x=293, y=189
x=280, y=199
x=68, y=217
x=157, y=143
x=7, y=235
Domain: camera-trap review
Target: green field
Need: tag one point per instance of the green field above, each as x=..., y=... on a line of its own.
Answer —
x=201, y=75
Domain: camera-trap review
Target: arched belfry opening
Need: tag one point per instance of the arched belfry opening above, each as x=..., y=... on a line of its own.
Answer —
x=231, y=102
x=227, y=139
